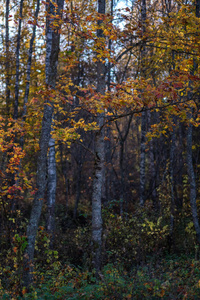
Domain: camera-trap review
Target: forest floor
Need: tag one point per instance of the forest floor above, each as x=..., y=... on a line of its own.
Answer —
x=171, y=277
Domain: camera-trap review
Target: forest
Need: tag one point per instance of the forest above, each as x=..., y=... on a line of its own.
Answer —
x=99, y=151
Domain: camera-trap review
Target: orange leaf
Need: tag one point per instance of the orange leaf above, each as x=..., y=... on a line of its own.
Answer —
x=24, y=291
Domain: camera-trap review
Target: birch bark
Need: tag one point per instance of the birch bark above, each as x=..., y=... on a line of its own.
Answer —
x=99, y=161
x=42, y=159
x=51, y=161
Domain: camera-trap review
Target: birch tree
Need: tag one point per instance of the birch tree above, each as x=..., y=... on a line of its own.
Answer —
x=99, y=158
x=41, y=180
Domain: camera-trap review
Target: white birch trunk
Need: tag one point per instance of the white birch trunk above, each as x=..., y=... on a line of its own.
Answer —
x=42, y=162
x=51, y=164
x=99, y=162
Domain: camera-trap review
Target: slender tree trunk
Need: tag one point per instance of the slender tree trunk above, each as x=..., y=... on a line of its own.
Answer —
x=38, y=200
x=96, y=196
x=64, y=165
x=41, y=179
x=109, y=173
x=99, y=161
x=7, y=60
x=16, y=104
x=51, y=189
x=121, y=164
x=108, y=158
x=190, y=167
x=78, y=189
x=51, y=165
x=171, y=168
x=110, y=48
x=52, y=177
x=192, y=181
x=30, y=53
x=122, y=139
x=152, y=169
x=143, y=117
x=179, y=179
x=142, y=159
x=153, y=175
x=28, y=71
x=79, y=161
x=15, y=116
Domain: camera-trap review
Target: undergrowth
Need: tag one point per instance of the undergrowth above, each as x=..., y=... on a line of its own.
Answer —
x=138, y=261
x=170, y=278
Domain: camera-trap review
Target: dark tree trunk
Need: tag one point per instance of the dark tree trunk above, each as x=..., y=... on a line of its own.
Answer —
x=171, y=168
x=64, y=165
x=122, y=139
x=30, y=53
x=142, y=159
x=15, y=116
x=179, y=176
x=79, y=162
x=152, y=169
x=78, y=190
x=121, y=163
x=109, y=173
x=143, y=117
x=28, y=71
x=192, y=181
x=16, y=104
x=190, y=167
x=108, y=158
x=7, y=60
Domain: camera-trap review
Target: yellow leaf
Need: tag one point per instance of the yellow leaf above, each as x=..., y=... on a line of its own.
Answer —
x=48, y=104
